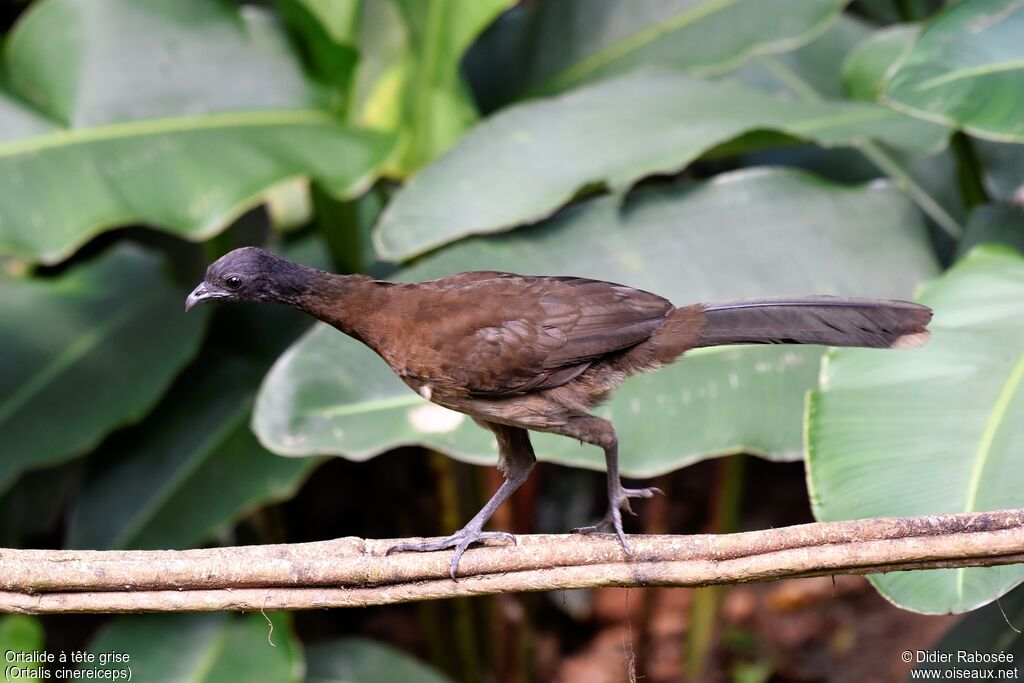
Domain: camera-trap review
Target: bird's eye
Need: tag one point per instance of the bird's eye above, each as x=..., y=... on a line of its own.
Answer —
x=233, y=282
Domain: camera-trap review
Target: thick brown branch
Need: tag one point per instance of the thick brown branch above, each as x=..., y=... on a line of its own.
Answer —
x=354, y=572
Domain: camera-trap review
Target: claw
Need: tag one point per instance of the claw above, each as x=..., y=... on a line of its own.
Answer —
x=460, y=540
x=642, y=493
x=612, y=521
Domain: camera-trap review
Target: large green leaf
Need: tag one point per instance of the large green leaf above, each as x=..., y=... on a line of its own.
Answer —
x=203, y=648
x=937, y=429
x=967, y=70
x=867, y=68
x=548, y=47
x=813, y=72
x=746, y=234
x=816, y=65
x=539, y=155
x=190, y=470
x=176, y=113
x=848, y=51
x=365, y=661
x=84, y=353
x=194, y=467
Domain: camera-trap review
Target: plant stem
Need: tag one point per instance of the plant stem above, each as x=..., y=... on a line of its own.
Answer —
x=466, y=641
x=968, y=168
x=902, y=179
x=725, y=508
x=885, y=162
x=350, y=572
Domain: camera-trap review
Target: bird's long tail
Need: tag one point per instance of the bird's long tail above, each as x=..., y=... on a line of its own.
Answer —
x=827, y=320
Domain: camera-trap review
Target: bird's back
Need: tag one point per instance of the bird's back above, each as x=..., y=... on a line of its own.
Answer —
x=493, y=334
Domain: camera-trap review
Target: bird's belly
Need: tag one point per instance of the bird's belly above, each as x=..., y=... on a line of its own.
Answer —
x=539, y=411
x=531, y=411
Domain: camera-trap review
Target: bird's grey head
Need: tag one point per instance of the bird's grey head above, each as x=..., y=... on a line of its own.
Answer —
x=250, y=274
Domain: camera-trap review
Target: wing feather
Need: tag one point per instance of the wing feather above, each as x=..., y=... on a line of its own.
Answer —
x=516, y=334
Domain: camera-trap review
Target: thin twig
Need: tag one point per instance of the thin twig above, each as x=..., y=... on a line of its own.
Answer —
x=352, y=572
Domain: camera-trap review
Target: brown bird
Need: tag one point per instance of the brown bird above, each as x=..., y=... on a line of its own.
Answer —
x=519, y=352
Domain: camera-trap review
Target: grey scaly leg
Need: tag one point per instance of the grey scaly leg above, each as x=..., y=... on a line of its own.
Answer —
x=516, y=459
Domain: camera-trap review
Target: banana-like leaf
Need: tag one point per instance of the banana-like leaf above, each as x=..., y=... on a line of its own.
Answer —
x=550, y=47
x=843, y=54
x=193, y=467
x=937, y=429
x=366, y=661
x=967, y=70
x=817, y=65
x=190, y=470
x=520, y=165
x=752, y=233
x=86, y=352
x=175, y=113
x=862, y=58
x=203, y=648
x=868, y=66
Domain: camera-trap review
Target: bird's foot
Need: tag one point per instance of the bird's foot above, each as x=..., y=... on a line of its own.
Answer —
x=618, y=501
x=460, y=540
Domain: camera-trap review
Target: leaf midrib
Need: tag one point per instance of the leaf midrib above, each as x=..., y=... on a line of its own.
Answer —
x=214, y=649
x=411, y=398
x=369, y=406
x=876, y=154
x=172, y=484
x=630, y=43
x=969, y=72
x=71, y=355
x=996, y=420
x=167, y=125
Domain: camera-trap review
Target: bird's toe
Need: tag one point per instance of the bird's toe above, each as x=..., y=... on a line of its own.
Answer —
x=460, y=540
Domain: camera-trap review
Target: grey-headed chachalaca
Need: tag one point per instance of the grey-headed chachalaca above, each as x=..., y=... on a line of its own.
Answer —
x=519, y=352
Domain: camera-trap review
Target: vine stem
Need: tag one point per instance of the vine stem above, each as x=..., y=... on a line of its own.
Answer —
x=353, y=572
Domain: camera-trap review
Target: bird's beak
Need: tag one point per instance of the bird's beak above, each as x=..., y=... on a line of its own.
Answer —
x=198, y=295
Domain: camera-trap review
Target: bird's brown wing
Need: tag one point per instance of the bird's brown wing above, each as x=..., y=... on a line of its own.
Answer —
x=515, y=334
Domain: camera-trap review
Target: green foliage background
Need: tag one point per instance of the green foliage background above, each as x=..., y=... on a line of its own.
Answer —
x=702, y=149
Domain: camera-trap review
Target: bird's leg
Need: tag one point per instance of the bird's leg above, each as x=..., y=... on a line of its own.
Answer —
x=601, y=433
x=516, y=459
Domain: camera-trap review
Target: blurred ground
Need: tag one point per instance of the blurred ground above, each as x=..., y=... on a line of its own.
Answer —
x=799, y=630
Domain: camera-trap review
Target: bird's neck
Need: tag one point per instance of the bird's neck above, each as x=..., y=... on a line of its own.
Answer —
x=350, y=303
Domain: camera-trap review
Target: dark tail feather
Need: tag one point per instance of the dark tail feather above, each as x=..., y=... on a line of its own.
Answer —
x=827, y=320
